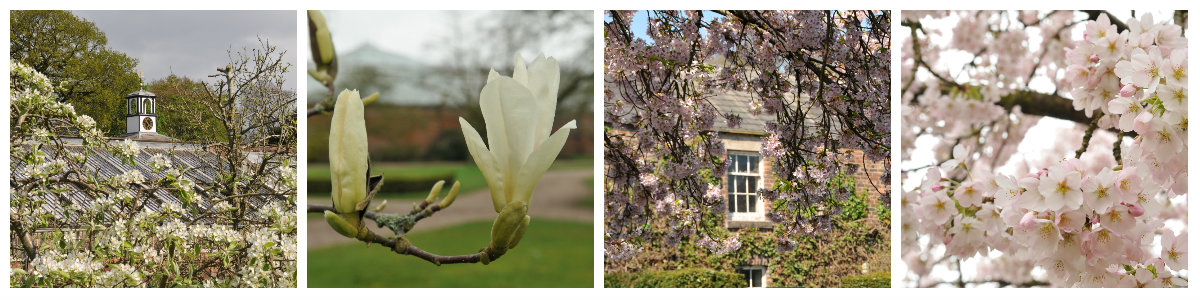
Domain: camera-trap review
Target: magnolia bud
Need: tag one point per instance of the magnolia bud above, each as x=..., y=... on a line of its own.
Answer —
x=520, y=233
x=321, y=43
x=370, y=99
x=507, y=225
x=437, y=189
x=340, y=225
x=348, y=158
x=450, y=196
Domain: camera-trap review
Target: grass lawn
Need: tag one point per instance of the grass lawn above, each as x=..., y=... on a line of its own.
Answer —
x=552, y=254
x=466, y=173
x=586, y=202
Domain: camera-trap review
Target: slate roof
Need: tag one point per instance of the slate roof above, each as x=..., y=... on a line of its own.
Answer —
x=149, y=137
x=197, y=165
x=738, y=103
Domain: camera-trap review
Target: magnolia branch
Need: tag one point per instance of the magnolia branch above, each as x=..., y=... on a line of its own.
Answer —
x=400, y=245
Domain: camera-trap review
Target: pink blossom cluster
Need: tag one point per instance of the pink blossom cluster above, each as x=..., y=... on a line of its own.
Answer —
x=660, y=149
x=1084, y=228
x=1095, y=219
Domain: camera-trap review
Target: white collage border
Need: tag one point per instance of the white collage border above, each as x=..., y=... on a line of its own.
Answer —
x=598, y=266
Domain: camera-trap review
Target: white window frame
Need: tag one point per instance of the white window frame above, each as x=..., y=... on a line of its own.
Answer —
x=749, y=273
x=736, y=187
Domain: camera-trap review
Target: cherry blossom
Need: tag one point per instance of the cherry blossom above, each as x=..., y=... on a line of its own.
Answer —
x=824, y=93
x=1098, y=203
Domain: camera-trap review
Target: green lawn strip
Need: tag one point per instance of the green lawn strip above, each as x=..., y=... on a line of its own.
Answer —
x=466, y=173
x=575, y=163
x=552, y=254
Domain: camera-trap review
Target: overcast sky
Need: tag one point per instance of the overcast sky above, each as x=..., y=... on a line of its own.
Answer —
x=403, y=32
x=413, y=33
x=194, y=43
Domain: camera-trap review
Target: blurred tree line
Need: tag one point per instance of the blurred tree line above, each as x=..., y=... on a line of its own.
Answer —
x=431, y=132
x=74, y=54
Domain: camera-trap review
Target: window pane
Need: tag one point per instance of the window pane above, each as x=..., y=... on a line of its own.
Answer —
x=751, y=184
x=756, y=278
x=754, y=164
x=741, y=185
x=742, y=164
x=731, y=161
x=741, y=203
x=753, y=202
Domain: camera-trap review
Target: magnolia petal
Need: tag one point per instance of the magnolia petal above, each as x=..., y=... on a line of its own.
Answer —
x=514, y=140
x=539, y=161
x=519, y=72
x=348, y=152
x=493, y=120
x=492, y=75
x=543, y=83
x=486, y=162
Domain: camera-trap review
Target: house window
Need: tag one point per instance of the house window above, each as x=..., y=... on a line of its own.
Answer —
x=745, y=178
x=753, y=275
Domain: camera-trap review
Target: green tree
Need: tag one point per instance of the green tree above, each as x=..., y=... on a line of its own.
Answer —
x=73, y=53
x=180, y=113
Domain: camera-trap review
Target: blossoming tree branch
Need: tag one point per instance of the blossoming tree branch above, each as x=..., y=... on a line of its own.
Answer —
x=1102, y=204
x=518, y=113
x=823, y=76
x=73, y=226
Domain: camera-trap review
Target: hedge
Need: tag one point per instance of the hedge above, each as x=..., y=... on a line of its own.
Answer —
x=392, y=184
x=683, y=278
x=873, y=280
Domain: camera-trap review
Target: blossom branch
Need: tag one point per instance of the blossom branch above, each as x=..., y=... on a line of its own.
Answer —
x=1087, y=136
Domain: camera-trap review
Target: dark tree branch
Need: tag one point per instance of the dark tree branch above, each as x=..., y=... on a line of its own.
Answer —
x=1035, y=103
x=1002, y=283
x=1087, y=137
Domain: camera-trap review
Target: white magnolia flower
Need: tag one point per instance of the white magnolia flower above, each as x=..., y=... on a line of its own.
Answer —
x=518, y=112
x=347, y=162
